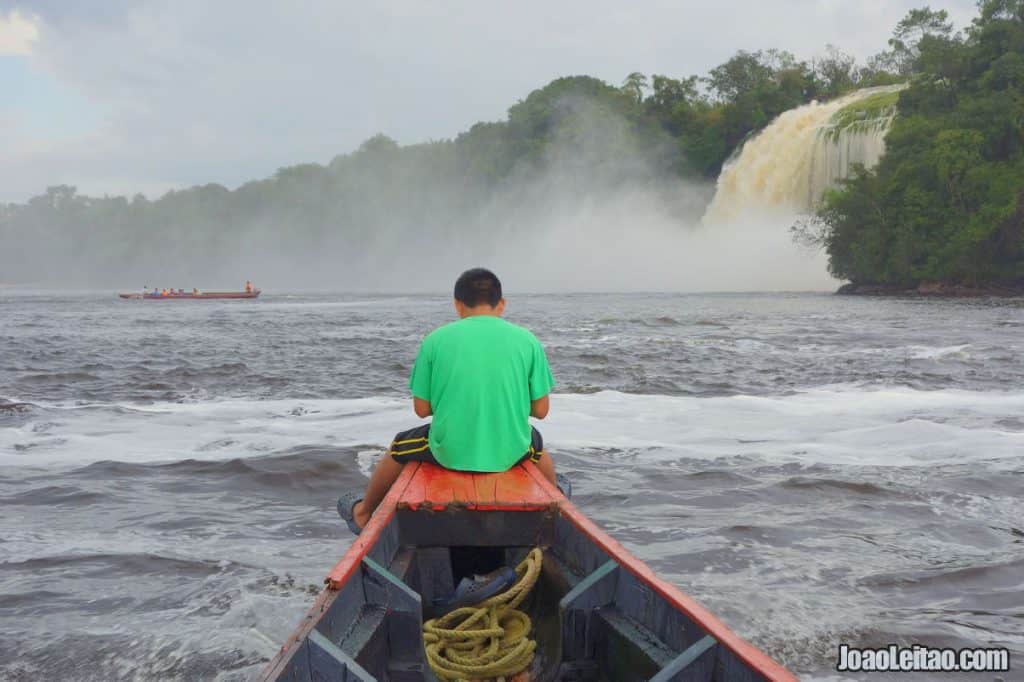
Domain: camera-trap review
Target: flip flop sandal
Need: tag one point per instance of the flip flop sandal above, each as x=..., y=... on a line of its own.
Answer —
x=346, y=505
x=476, y=589
x=565, y=485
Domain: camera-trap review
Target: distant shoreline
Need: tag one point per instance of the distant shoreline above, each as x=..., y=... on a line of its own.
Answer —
x=934, y=290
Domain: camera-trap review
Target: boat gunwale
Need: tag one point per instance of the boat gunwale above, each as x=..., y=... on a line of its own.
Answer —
x=343, y=570
x=704, y=619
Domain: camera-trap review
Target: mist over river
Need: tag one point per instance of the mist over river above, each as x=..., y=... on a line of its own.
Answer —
x=814, y=469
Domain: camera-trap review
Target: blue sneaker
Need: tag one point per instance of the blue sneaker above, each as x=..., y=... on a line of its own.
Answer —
x=565, y=485
x=346, y=504
x=471, y=591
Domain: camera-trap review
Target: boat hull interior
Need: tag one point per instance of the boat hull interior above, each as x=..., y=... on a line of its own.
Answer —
x=596, y=614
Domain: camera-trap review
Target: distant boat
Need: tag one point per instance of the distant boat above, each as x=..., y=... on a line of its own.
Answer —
x=181, y=295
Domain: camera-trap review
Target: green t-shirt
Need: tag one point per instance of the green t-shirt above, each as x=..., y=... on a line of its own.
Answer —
x=479, y=375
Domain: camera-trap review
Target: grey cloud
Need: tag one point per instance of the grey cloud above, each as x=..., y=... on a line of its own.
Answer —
x=194, y=92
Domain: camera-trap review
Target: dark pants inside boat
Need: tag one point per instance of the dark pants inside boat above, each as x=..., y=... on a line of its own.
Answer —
x=413, y=446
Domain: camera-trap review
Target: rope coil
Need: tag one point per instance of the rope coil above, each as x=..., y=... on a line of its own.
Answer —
x=489, y=640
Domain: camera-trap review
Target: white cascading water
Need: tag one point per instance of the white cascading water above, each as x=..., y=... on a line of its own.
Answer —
x=790, y=164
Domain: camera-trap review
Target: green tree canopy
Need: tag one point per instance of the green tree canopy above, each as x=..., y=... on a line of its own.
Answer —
x=947, y=200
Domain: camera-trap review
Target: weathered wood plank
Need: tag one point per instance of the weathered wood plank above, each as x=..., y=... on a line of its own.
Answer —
x=328, y=662
x=577, y=611
x=696, y=664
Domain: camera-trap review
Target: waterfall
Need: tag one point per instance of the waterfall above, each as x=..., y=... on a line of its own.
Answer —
x=790, y=164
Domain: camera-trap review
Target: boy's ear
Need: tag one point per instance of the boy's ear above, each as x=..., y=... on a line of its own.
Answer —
x=460, y=307
x=500, y=308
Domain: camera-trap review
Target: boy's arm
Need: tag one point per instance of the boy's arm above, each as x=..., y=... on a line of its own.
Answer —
x=419, y=380
x=422, y=407
x=541, y=382
x=538, y=407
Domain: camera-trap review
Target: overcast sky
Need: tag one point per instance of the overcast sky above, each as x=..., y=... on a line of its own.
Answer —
x=124, y=97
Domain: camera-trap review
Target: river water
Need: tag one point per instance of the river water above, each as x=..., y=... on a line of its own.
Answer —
x=815, y=469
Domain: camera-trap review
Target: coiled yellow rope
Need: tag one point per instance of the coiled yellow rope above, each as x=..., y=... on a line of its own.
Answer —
x=488, y=640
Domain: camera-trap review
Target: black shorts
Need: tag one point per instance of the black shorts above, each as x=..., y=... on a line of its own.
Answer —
x=413, y=446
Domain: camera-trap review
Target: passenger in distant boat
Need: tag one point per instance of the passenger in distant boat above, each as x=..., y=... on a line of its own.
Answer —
x=195, y=292
x=481, y=378
x=248, y=287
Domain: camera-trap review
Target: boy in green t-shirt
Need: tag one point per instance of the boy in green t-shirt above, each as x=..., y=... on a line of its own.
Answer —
x=481, y=378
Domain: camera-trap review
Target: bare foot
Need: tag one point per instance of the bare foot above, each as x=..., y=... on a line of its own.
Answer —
x=360, y=515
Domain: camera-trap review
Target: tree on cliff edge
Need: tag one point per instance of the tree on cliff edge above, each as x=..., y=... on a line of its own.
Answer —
x=945, y=202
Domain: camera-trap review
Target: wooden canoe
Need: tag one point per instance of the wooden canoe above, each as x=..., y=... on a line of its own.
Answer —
x=599, y=613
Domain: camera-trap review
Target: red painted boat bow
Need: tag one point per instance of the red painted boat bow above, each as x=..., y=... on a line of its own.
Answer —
x=523, y=488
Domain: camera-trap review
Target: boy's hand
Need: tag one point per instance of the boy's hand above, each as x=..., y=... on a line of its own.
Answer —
x=421, y=407
x=539, y=407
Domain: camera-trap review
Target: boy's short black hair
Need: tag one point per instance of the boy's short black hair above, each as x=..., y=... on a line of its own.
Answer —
x=478, y=286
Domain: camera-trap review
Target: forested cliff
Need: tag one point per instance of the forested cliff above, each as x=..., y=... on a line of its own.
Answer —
x=944, y=205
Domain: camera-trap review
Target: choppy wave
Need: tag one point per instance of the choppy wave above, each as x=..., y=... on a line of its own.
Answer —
x=812, y=469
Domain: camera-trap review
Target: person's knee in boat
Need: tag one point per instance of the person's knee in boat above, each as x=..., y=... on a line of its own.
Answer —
x=480, y=378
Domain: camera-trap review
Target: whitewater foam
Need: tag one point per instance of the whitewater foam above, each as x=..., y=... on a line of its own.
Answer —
x=840, y=424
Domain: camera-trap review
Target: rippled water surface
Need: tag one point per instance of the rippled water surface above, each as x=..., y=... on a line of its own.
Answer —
x=814, y=469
